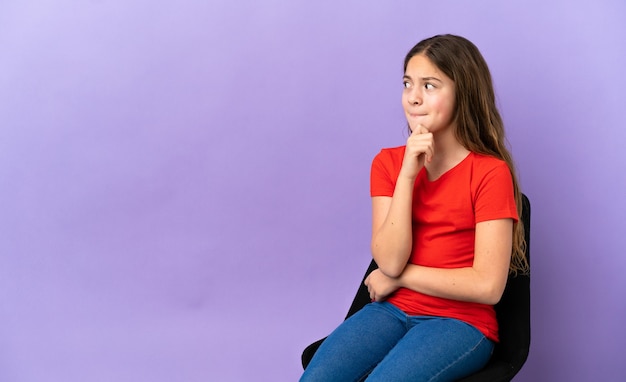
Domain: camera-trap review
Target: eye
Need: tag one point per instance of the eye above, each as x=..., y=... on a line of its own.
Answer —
x=406, y=84
x=429, y=86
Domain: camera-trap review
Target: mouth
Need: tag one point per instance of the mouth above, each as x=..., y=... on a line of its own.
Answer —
x=416, y=119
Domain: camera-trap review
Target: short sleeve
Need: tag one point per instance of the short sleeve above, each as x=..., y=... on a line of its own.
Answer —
x=495, y=198
x=384, y=172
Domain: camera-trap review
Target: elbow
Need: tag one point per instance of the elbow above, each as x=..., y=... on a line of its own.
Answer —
x=491, y=294
x=492, y=299
x=388, y=266
x=391, y=261
x=391, y=270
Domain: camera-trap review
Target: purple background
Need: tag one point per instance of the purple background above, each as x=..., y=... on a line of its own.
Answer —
x=184, y=185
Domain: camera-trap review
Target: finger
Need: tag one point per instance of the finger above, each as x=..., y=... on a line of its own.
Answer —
x=429, y=154
x=419, y=129
x=430, y=150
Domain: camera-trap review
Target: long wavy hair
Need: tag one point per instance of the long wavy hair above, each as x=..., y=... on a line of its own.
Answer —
x=479, y=126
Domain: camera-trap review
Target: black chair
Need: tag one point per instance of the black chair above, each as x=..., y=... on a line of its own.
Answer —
x=513, y=313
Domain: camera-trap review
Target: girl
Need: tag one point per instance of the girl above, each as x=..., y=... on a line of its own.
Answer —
x=444, y=231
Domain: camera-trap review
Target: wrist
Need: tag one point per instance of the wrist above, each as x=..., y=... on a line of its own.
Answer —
x=399, y=281
x=408, y=175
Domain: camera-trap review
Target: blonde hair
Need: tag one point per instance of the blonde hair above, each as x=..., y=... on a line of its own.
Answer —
x=479, y=125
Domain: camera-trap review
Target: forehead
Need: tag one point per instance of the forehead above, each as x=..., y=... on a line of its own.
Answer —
x=420, y=66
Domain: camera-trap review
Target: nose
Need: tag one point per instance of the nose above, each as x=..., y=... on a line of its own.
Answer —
x=414, y=97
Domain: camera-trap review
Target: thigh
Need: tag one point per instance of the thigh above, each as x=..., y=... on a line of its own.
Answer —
x=435, y=349
x=357, y=345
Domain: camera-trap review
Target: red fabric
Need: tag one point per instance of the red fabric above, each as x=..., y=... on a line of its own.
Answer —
x=445, y=213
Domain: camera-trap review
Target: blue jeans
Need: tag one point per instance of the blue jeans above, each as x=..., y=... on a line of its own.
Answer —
x=381, y=343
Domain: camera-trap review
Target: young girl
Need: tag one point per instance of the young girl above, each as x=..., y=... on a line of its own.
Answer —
x=444, y=231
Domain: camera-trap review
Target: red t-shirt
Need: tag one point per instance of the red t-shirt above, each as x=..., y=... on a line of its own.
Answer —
x=445, y=213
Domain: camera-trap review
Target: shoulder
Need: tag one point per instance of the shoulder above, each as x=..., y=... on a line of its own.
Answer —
x=385, y=169
x=492, y=189
x=389, y=160
x=487, y=160
x=491, y=180
x=485, y=164
x=392, y=151
x=390, y=155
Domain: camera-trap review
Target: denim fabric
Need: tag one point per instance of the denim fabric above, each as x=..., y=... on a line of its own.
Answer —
x=382, y=343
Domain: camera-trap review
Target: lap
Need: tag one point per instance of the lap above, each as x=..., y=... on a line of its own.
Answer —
x=359, y=344
x=435, y=349
x=381, y=340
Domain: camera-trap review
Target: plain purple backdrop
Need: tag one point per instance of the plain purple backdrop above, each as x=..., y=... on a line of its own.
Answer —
x=184, y=185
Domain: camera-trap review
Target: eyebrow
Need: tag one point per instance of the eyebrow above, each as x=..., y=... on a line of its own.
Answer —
x=423, y=78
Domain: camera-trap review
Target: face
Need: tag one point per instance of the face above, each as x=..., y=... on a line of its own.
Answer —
x=428, y=97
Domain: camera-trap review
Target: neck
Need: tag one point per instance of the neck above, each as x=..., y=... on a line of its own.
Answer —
x=448, y=153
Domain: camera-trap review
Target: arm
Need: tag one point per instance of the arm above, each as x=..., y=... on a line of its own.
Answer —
x=483, y=282
x=392, y=222
x=392, y=232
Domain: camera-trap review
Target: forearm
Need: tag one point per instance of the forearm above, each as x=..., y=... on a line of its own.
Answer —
x=392, y=241
x=483, y=281
x=462, y=284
